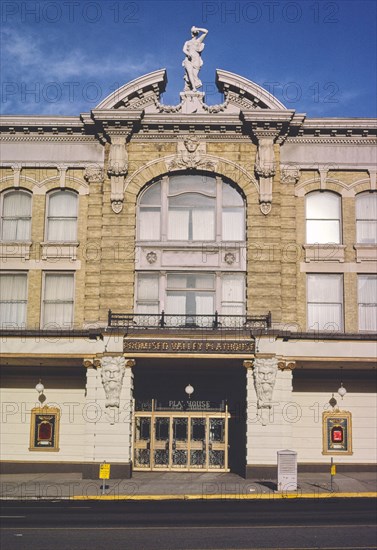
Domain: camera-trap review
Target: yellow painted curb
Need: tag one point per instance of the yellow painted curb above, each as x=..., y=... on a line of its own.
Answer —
x=264, y=496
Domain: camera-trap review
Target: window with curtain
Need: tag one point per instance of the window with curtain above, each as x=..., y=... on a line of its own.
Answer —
x=233, y=294
x=323, y=219
x=190, y=294
x=16, y=216
x=367, y=302
x=58, y=300
x=147, y=293
x=366, y=218
x=197, y=208
x=150, y=214
x=13, y=300
x=62, y=216
x=325, y=302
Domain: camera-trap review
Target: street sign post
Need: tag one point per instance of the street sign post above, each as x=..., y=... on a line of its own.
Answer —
x=104, y=473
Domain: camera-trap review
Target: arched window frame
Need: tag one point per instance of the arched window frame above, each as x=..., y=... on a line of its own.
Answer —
x=318, y=226
x=72, y=217
x=22, y=234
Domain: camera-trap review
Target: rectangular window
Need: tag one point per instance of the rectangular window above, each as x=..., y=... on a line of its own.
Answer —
x=367, y=300
x=13, y=300
x=58, y=300
x=147, y=293
x=190, y=294
x=325, y=302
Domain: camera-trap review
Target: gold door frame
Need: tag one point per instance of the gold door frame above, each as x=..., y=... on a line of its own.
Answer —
x=151, y=445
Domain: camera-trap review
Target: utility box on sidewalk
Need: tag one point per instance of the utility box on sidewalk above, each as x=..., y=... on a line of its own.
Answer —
x=287, y=470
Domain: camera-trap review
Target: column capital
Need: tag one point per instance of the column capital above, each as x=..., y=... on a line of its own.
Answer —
x=91, y=363
x=286, y=365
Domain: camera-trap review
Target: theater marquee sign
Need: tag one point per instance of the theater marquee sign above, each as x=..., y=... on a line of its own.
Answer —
x=189, y=346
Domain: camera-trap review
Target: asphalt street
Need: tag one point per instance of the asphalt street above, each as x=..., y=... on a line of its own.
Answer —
x=96, y=525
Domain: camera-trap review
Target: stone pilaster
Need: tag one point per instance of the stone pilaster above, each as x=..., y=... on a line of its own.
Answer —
x=109, y=427
x=269, y=421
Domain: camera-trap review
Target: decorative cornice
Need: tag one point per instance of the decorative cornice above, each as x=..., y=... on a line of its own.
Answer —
x=11, y=138
x=333, y=140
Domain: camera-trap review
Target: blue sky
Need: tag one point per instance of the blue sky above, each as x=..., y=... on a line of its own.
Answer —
x=64, y=56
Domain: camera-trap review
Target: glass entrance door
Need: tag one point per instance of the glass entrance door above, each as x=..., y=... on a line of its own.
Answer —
x=181, y=441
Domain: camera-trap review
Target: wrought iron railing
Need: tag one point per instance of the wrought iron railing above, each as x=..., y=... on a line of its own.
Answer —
x=140, y=321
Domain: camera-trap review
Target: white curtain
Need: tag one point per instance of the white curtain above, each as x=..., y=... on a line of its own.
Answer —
x=322, y=231
x=16, y=216
x=366, y=218
x=204, y=304
x=367, y=302
x=175, y=304
x=233, y=287
x=58, y=300
x=62, y=217
x=366, y=206
x=322, y=218
x=203, y=225
x=325, y=302
x=13, y=299
x=233, y=295
x=233, y=225
x=149, y=224
x=147, y=286
x=178, y=225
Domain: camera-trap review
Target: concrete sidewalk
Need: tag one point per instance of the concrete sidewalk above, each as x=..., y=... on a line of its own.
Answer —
x=169, y=485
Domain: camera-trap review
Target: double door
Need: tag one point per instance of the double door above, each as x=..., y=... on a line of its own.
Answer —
x=181, y=441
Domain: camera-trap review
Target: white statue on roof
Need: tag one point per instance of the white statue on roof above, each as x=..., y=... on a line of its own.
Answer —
x=193, y=49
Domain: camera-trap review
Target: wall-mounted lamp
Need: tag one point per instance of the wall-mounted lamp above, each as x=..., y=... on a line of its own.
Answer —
x=189, y=390
x=342, y=390
x=40, y=389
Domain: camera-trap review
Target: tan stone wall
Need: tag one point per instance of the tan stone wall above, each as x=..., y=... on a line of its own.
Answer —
x=276, y=269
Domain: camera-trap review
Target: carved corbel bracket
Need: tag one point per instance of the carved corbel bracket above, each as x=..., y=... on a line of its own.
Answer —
x=117, y=170
x=62, y=168
x=289, y=174
x=265, y=167
x=93, y=173
x=16, y=174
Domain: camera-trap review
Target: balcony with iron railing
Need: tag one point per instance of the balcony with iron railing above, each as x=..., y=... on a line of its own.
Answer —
x=136, y=322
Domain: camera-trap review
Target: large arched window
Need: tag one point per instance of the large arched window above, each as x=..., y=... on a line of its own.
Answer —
x=366, y=218
x=61, y=223
x=16, y=216
x=323, y=219
x=191, y=248
x=191, y=208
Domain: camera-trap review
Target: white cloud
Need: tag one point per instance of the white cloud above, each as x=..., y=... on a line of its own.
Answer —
x=30, y=63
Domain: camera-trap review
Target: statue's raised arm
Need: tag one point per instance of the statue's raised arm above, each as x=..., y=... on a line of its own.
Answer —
x=193, y=49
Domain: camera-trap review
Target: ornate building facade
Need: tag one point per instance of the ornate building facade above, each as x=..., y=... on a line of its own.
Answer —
x=191, y=284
